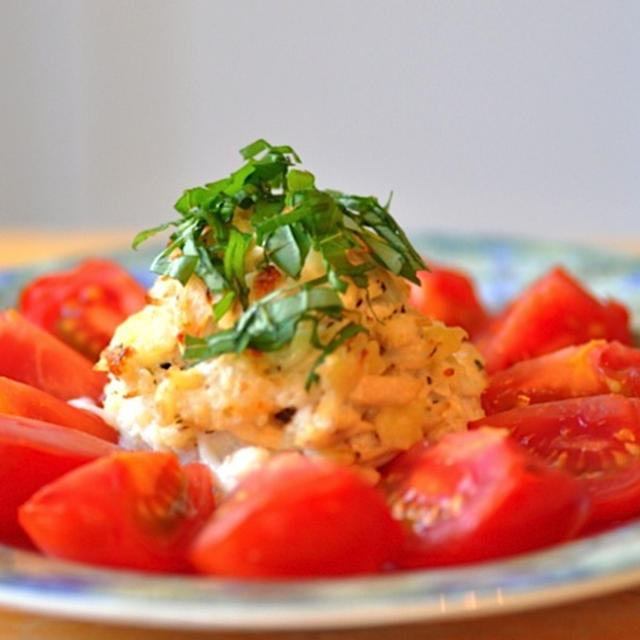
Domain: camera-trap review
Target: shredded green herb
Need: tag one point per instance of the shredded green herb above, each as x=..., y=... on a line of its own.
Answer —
x=290, y=216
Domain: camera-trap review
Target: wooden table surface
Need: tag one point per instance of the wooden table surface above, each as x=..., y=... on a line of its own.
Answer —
x=612, y=617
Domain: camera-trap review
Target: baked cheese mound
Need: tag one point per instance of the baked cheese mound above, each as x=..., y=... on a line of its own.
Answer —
x=407, y=378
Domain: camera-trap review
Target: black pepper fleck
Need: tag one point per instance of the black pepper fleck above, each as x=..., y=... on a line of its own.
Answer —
x=285, y=415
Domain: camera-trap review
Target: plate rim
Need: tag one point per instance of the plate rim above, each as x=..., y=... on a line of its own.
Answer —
x=263, y=605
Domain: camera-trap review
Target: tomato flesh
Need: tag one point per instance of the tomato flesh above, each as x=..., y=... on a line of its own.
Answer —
x=478, y=495
x=33, y=356
x=553, y=313
x=84, y=305
x=596, y=439
x=448, y=295
x=298, y=517
x=32, y=454
x=18, y=399
x=136, y=510
x=595, y=368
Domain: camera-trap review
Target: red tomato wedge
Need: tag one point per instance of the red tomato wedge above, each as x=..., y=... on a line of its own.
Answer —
x=479, y=495
x=448, y=295
x=298, y=517
x=596, y=439
x=594, y=368
x=33, y=453
x=18, y=399
x=33, y=356
x=554, y=312
x=84, y=305
x=137, y=510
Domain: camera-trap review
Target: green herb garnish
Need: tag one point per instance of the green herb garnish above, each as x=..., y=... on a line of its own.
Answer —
x=290, y=216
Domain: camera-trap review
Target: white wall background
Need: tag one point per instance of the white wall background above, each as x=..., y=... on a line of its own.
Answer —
x=501, y=116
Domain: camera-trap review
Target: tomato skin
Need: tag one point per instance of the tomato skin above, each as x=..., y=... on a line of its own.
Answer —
x=137, y=510
x=83, y=305
x=448, y=295
x=478, y=495
x=595, y=368
x=298, y=517
x=32, y=454
x=18, y=399
x=597, y=439
x=554, y=312
x=34, y=357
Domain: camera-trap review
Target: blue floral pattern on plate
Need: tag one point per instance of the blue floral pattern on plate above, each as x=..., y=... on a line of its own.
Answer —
x=582, y=568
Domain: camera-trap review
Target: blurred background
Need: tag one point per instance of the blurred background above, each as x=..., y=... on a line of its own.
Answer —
x=493, y=116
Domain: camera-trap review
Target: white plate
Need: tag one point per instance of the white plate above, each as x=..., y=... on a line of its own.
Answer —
x=587, y=567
